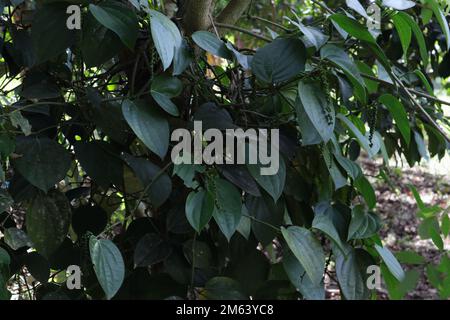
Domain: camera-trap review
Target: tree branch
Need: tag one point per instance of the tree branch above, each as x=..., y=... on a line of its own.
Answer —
x=233, y=27
x=233, y=11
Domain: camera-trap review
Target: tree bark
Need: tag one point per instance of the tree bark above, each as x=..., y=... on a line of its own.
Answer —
x=197, y=15
x=233, y=11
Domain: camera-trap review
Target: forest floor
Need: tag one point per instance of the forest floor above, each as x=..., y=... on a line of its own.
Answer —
x=397, y=208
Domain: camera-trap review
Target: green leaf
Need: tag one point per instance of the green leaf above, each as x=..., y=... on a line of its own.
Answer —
x=353, y=27
x=197, y=253
x=43, y=162
x=442, y=20
x=209, y=42
x=425, y=81
x=363, y=141
x=326, y=221
x=372, y=86
x=108, y=265
x=223, y=288
x=240, y=176
x=98, y=44
x=49, y=33
x=307, y=250
x=16, y=238
x=199, y=209
x=187, y=173
x=351, y=271
x=100, y=161
x=365, y=188
x=4, y=292
x=227, y=207
x=359, y=31
x=6, y=201
x=5, y=259
x=118, y=18
x=435, y=235
x=418, y=34
x=343, y=61
x=410, y=257
x=279, y=61
x=399, y=114
x=352, y=169
x=404, y=31
x=421, y=146
x=19, y=121
x=398, y=289
x=48, y=221
x=298, y=277
x=167, y=39
x=363, y=224
x=417, y=197
x=356, y=5
x=315, y=104
x=312, y=36
x=391, y=262
x=399, y=4
x=310, y=136
x=273, y=184
x=266, y=217
x=157, y=183
x=182, y=58
x=245, y=225
x=148, y=125
x=163, y=89
x=7, y=145
x=151, y=249
x=445, y=225
x=339, y=180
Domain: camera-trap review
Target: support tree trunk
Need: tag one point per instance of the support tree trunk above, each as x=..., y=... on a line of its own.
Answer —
x=197, y=14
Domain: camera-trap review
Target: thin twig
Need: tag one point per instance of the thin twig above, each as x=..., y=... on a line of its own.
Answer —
x=271, y=23
x=251, y=33
x=424, y=112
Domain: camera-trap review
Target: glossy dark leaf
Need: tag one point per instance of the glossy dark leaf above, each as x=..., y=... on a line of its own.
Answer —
x=228, y=207
x=317, y=108
x=37, y=162
x=49, y=33
x=209, y=42
x=307, y=250
x=156, y=182
x=279, y=61
x=100, y=161
x=149, y=125
x=117, y=18
x=167, y=39
x=199, y=209
x=108, y=265
x=151, y=249
x=48, y=221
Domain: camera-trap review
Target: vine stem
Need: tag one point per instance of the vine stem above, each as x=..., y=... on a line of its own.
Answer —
x=417, y=93
x=270, y=23
x=262, y=222
x=233, y=27
x=422, y=110
x=144, y=192
x=323, y=6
